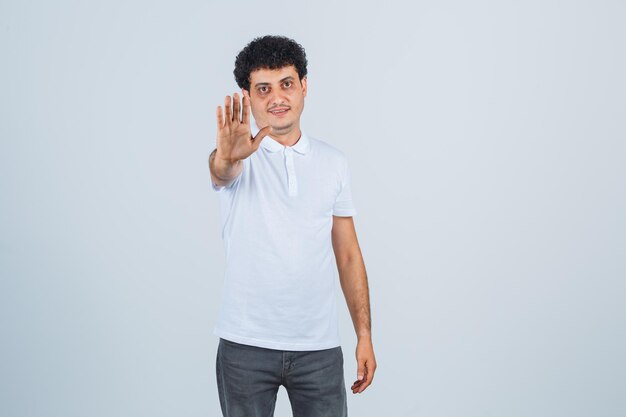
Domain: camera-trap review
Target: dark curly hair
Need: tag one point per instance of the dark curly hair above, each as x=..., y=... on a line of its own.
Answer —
x=270, y=52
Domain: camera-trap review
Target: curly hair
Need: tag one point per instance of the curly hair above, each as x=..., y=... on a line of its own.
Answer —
x=268, y=52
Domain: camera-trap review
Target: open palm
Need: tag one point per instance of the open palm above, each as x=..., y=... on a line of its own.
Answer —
x=234, y=137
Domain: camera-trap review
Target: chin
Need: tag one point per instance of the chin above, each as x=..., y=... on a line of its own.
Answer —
x=282, y=128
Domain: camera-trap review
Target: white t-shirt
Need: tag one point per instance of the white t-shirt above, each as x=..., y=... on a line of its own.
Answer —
x=277, y=216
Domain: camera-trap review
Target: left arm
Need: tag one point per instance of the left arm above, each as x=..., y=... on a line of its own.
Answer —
x=353, y=280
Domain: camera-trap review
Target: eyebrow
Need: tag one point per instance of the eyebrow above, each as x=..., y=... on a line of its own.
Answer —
x=284, y=79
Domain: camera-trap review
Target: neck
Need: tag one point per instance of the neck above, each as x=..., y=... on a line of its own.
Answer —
x=288, y=137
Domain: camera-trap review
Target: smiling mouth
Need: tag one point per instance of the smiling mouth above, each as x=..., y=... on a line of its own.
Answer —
x=279, y=111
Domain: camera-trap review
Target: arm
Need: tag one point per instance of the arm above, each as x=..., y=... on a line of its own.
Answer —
x=234, y=140
x=223, y=172
x=353, y=279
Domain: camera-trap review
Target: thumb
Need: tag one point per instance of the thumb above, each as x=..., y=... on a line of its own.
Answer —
x=262, y=133
x=360, y=373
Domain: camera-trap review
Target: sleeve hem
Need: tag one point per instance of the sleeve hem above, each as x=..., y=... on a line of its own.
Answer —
x=344, y=213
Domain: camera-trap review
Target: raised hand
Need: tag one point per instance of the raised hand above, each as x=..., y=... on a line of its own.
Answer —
x=234, y=137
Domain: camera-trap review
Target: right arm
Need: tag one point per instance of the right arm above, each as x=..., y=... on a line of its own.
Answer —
x=223, y=172
x=234, y=140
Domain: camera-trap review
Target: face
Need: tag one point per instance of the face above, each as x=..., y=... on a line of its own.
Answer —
x=277, y=98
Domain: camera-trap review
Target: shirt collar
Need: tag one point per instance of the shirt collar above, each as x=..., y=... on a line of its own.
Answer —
x=302, y=146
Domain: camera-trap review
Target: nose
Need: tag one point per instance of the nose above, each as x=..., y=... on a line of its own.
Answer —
x=277, y=98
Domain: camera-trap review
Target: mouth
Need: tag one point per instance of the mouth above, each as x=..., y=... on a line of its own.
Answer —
x=279, y=112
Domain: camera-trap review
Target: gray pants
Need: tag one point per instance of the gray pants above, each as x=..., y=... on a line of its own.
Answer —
x=248, y=378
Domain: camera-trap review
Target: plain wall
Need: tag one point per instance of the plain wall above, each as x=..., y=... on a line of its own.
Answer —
x=487, y=148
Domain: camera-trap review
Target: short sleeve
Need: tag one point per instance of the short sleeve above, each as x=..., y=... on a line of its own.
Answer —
x=344, y=206
x=219, y=188
x=216, y=187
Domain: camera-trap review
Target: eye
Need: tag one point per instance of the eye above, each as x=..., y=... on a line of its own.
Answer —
x=263, y=89
x=288, y=84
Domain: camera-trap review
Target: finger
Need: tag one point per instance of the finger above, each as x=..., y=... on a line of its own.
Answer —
x=262, y=133
x=359, y=382
x=361, y=370
x=363, y=387
x=369, y=377
x=246, y=109
x=362, y=379
x=227, y=108
x=356, y=386
x=362, y=384
x=367, y=380
x=236, y=108
x=220, y=118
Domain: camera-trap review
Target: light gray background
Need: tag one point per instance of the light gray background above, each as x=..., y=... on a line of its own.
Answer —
x=486, y=143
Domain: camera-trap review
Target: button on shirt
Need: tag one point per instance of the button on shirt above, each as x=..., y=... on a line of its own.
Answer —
x=279, y=287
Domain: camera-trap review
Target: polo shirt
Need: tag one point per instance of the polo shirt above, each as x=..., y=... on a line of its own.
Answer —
x=279, y=288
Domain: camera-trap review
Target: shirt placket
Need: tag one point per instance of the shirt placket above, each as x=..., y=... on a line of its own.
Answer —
x=292, y=181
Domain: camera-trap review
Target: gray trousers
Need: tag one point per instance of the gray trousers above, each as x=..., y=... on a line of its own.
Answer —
x=248, y=378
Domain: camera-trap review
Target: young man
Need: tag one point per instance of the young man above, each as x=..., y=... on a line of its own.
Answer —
x=286, y=209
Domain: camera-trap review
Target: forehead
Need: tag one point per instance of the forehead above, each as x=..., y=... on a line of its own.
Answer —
x=265, y=75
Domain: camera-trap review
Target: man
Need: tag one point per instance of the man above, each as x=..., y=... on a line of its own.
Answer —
x=285, y=200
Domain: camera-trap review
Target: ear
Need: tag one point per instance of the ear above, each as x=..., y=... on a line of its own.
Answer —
x=303, y=82
x=245, y=92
